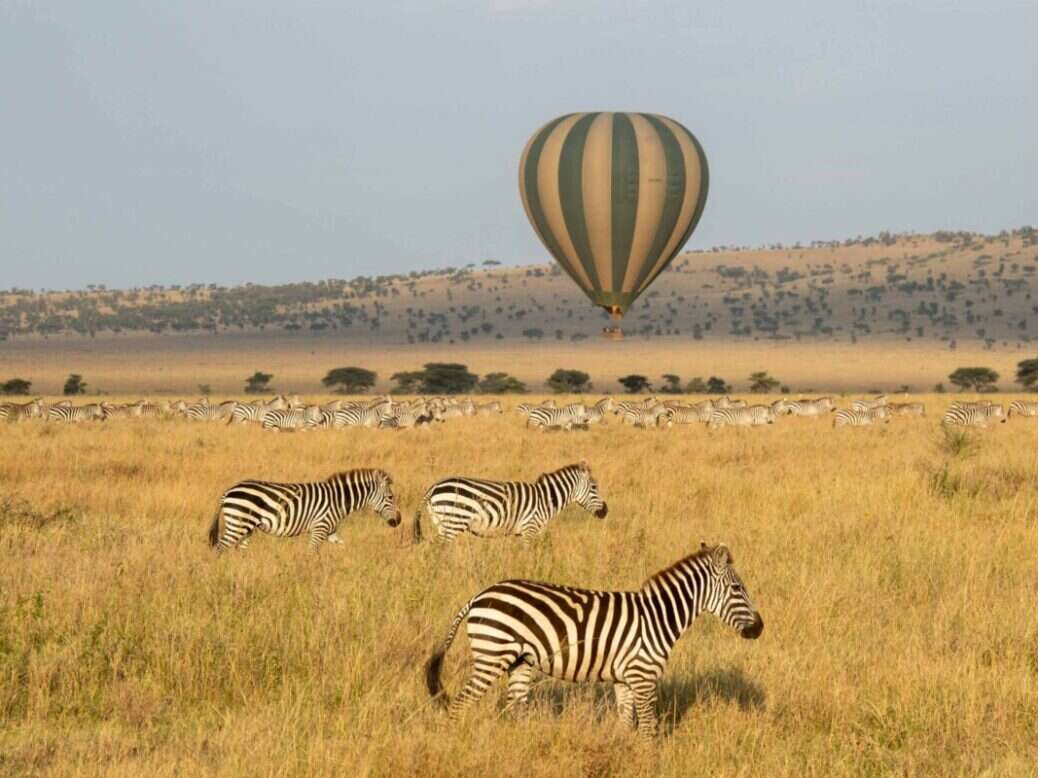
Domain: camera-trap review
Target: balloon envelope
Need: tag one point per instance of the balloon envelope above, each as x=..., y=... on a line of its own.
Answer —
x=613, y=197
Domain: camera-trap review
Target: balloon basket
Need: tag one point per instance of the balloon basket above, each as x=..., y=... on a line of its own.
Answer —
x=612, y=333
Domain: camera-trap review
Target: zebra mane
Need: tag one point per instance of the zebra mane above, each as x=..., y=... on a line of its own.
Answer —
x=567, y=469
x=704, y=552
x=360, y=474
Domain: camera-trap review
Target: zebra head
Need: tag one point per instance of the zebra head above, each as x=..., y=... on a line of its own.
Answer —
x=726, y=596
x=381, y=498
x=586, y=494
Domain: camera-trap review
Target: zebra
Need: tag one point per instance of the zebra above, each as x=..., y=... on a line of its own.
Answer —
x=245, y=413
x=488, y=409
x=495, y=508
x=753, y=416
x=622, y=637
x=361, y=416
x=648, y=417
x=690, y=414
x=76, y=413
x=861, y=418
x=783, y=407
x=205, y=411
x=906, y=409
x=290, y=509
x=868, y=405
x=556, y=418
x=818, y=407
x=1023, y=408
x=973, y=416
x=971, y=404
x=294, y=419
x=597, y=413
x=17, y=411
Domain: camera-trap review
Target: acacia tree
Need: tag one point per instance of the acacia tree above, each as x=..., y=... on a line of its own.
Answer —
x=74, y=385
x=762, y=383
x=15, y=386
x=569, y=381
x=978, y=379
x=715, y=385
x=501, y=383
x=1027, y=374
x=447, y=378
x=635, y=384
x=258, y=383
x=407, y=381
x=671, y=384
x=350, y=380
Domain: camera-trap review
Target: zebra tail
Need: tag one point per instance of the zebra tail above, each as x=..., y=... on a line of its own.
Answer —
x=434, y=667
x=416, y=527
x=216, y=528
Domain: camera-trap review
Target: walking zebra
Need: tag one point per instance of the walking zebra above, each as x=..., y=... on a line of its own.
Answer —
x=625, y=637
x=818, y=407
x=556, y=418
x=204, y=411
x=690, y=414
x=254, y=412
x=753, y=416
x=973, y=416
x=596, y=414
x=866, y=418
x=76, y=413
x=294, y=419
x=496, y=508
x=1023, y=408
x=868, y=405
x=290, y=509
x=19, y=411
x=657, y=416
x=361, y=416
x=783, y=407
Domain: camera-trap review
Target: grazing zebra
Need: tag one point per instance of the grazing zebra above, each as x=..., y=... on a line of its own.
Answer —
x=495, y=508
x=18, y=411
x=77, y=413
x=625, y=637
x=290, y=509
x=973, y=416
x=818, y=407
x=1023, y=408
x=556, y=418
x=294, y=419
x=857, y=418
x=868, y=405
x=906, y=409
x=753, y=416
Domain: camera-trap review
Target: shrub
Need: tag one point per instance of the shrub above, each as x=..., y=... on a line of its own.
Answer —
x=635, y=384
x=671, y=384
x=1027, y=374
x=15, y=386
x=762, y=383
x=350, y=380
x=715, y=385
x=501, y=383
x=74, y=385
x=447, y=378
x=258, y=383
x=569, y=381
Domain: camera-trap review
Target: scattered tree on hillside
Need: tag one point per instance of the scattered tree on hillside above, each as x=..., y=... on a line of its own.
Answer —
x=569, y=381
x=15, y=386
x=407, y=381
x=74, y=385
x=696, y=386
x=350, y=380
x=762, y=383
x=447, y=378
x=635, y=384
x=1026, y=374
x=715, y=385
x=501, y=383
x=978, y=379
x=258, y=383
x=671, y=384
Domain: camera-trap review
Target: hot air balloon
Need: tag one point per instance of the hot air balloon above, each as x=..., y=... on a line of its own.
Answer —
x=613, y=197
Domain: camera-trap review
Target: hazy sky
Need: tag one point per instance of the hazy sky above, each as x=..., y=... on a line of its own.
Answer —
x=169, y=142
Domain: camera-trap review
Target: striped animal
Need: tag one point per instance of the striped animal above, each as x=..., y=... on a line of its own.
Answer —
x=753, y=416
x=657, y=416
x=17, y=411
x=361, y=416
x=1023, y=408
x=861, y=418
x=867, y=405
x=496, y=508
x=690, y=414
x=958, y=416
x=624, y=638
x=205, y=411
x=906, y=409
x=597, y=413
x=556, y=418
x=783, y=407
x=76, y=413
x=290, y=509
x=813, y=408
x=291, y=419
x=489, y=409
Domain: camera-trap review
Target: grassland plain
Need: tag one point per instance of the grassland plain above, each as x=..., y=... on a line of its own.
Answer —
x=897, y=581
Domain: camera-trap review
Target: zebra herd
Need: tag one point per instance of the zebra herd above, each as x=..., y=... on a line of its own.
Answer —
x=278, y=414
x=517, y=626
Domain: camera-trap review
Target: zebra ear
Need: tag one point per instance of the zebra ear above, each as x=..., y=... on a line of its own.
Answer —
x=721, y=556
x=702, y=545
x=584, y=465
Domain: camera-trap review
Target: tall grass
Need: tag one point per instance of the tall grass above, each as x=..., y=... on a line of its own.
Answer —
x=900, y=631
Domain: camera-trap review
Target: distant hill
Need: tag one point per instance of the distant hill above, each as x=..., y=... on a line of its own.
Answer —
x=944, y=288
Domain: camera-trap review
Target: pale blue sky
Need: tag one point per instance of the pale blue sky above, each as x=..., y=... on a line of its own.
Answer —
x=147, y=142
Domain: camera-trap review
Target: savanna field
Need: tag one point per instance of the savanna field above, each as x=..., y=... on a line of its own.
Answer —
x=895, y=571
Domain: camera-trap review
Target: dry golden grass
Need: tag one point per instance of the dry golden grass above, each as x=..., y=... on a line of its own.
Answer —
x=897, y=584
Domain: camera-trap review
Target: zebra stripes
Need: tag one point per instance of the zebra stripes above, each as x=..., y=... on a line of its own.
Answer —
x=75, y=414
x=294, y=419
x=204, y=411
x=556, y=418
x=498, y=508
x=753, y=416
x=861, y=418
x=1022, y=408
x=14, y=412
x=973, y=416
x=290, y=509
x=868, y=405
x=623, y=637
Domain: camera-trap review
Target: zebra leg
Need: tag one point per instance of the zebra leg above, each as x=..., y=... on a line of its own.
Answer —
x=625, y=703
x=519, y=684
x=485, y=671
x=645, y=703
x=318, y=534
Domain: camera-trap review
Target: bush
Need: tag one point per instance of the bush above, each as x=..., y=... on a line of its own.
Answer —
x=979, y=379
x=671, y=384
x=635, y=384
x=762, y=383
x=569, y=382
x=696, y=386
x=15, y=386
x=501, y=383
x=715, y=385
x=350, y=380
x=408, y=381
x=74, y=385
x=258, y=383
x=447, y=378
x=1027, y=374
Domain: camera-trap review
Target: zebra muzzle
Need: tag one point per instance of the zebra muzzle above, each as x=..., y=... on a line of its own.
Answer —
x=394, y=521
x=752, y=631
x=602, y=512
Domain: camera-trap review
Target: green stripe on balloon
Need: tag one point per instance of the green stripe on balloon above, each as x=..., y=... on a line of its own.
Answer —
x=625, y=195
x=571, y=195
